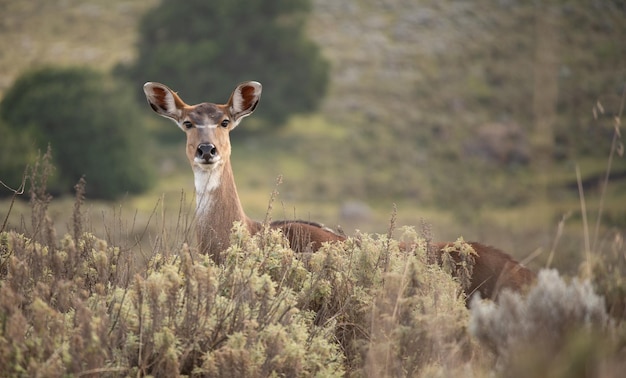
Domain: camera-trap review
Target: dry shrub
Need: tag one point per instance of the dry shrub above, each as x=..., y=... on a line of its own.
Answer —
x=185, y=315
x=364, y=307
x=71, y=306
x=77, y=305
x=53, y=305
x=559, y=329
x=394, y=314
x=417, y=323
x=608, y=270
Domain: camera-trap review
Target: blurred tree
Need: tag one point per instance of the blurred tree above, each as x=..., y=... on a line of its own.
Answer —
x=16, y=151
x=205, y=48
x=91, y=123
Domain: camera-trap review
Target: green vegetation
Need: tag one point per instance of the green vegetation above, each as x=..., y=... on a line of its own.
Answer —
x=201, y=48
x=16, y=151
x=91, y=124
x=416, y=89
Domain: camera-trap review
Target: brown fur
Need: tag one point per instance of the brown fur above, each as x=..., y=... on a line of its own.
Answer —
x=306, y=236
x=492, y=272
x=204, y=125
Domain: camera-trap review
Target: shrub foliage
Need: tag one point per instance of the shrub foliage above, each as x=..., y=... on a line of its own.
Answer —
x=556, y=320
x=202, y=47
x=77, y=305
x=90, y=122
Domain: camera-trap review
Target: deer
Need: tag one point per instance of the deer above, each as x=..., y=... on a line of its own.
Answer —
x=218, y=207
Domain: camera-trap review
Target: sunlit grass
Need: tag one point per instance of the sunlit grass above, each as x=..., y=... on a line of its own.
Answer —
x=161, y=308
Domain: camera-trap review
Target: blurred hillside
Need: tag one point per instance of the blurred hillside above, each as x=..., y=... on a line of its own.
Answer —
x=66, y=32
x=508, y=84
x=466, y=107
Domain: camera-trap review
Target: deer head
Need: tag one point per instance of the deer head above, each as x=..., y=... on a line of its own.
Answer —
x=207, y=125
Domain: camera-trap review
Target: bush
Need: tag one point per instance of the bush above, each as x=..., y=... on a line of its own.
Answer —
x=184, y=315
x=91, y=124
x=77, y=305
x=558, y=329
x=80, y=305
x=260, y=314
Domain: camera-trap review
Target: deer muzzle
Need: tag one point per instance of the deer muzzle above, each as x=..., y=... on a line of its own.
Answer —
x=206, y=153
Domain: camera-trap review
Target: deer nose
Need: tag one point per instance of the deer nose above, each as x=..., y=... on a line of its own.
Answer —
x=206, y=151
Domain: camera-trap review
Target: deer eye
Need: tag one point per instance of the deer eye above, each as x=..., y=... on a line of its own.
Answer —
x=187, y=125
x=225, y=123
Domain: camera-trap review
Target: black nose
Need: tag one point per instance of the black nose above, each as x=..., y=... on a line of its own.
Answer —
x=206, y=151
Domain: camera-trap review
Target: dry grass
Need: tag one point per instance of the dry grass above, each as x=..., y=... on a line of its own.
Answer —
x=80, y=305
x=77, y=304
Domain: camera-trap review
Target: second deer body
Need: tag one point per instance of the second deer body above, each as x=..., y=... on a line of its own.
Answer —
x=208, y=150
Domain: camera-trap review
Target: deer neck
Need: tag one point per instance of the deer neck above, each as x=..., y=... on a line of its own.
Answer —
x=217, y=207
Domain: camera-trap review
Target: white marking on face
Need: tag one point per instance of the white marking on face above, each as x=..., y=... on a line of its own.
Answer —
x=208, y=127
x=201, y=163
x=182, y=126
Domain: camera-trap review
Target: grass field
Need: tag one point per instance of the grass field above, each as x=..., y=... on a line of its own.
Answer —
x=142, y=301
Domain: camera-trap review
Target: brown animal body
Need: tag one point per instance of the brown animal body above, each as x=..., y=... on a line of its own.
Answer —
x=208, y=150
x=492, y=272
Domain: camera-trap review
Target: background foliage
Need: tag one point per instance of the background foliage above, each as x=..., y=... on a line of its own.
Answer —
x=16, y=151
x=472, y=89
x=91, y=124
x=204, y=49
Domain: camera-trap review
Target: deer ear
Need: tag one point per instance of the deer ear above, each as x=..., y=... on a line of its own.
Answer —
x=244, y=100
x=164, y=101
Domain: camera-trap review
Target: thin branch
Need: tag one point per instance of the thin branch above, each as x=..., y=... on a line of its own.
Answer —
x=16, y=192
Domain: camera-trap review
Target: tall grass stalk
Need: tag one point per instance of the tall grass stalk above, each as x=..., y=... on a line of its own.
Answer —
x=555, y=242
x=616, y=147
x=270, y=204
x=583, y=209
